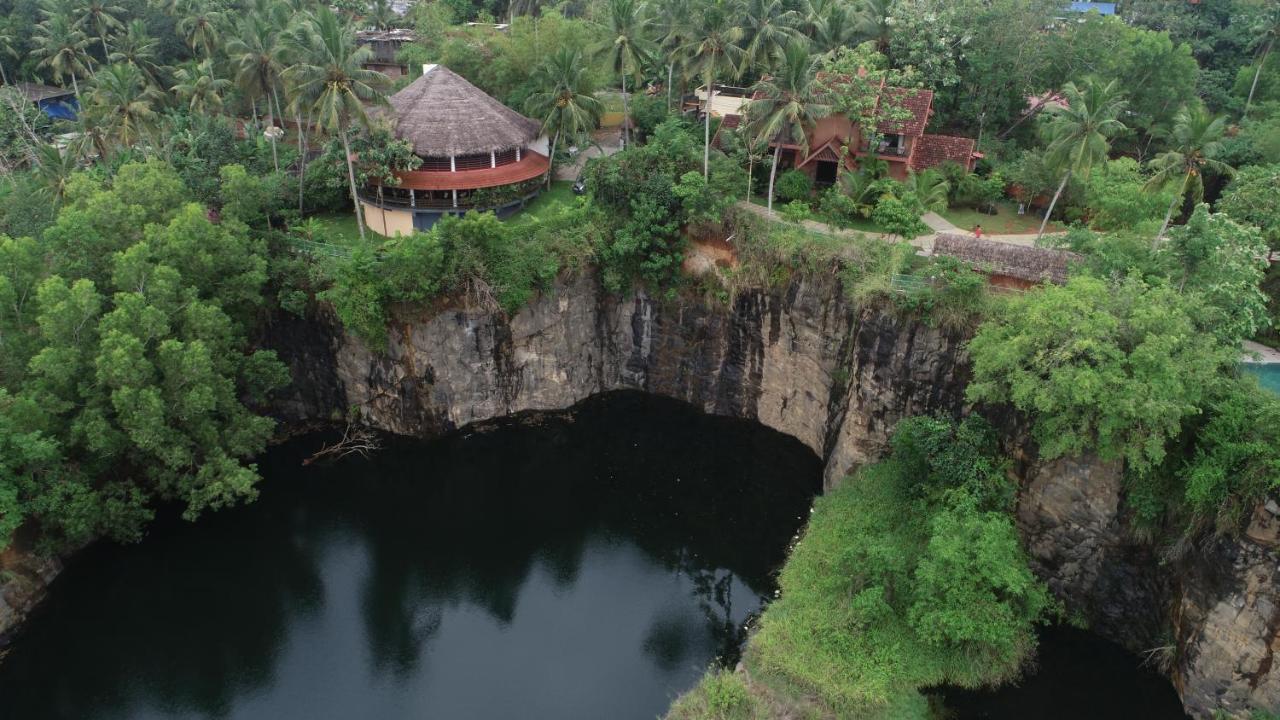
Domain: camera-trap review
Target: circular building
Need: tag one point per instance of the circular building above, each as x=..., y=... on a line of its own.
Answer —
x=477, y=154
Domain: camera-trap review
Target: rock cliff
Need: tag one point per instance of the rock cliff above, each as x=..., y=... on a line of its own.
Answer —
x=802, y=361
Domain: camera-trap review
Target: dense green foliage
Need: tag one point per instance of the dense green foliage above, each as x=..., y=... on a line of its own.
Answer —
x=909, y=575
x=126, y=366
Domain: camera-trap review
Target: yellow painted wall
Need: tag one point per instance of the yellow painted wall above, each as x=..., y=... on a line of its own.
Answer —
x=397, y=221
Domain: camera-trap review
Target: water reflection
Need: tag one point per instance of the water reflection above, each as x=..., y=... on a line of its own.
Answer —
x=589, y=568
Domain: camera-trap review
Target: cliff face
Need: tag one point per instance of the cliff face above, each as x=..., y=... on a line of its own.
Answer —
x=801, y=361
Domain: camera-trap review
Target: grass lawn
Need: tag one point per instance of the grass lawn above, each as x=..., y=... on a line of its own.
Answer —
x=561, y=193
x=340, y=229
x=860, y=225
x=1006, y=221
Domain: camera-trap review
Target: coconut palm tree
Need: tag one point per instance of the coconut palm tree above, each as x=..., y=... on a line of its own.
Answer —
x=53, y=170
x=8, y=49
x=930, y=188
x=61, y=49
x=200, y=26
x=1265, y=31
x=124, y=102
x=99, y=17
x=564, y=101
x=873, y=22
x=1079, y=132
x=329, y=80
x=713, y=51
x=200, y=87
x=381, y=15
x=1195, y=139
x=834, y=25
x=784, y=106
x=256, y=62
x=673, y=24
x=627, y=49
x=768, y=28
x=135, y=47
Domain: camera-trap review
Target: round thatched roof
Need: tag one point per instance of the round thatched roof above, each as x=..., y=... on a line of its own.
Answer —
x=442, y=114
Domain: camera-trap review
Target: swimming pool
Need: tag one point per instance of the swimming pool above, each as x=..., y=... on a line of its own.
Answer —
x=1268, y=374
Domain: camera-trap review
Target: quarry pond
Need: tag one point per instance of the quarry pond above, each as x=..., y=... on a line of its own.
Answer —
x=588, y=565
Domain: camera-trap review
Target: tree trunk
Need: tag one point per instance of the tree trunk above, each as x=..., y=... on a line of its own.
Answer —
x=351, y=178
x=551, y=159
x=254, y=104
x=751, y=163
x=278, y=115
x=670, y=69
x=1168, y=215
x=626, y=114
x=302, y=159
x=75, y=87
x=1256, y=74
x=773, y=173
x=706, y=132
x=1061, y=186
x=275, y=159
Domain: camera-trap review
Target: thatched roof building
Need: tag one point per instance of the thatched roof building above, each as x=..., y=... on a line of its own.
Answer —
x=443, y=115
x=1021, y=262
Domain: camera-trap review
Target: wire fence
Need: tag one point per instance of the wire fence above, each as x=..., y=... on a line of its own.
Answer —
x=315, y=247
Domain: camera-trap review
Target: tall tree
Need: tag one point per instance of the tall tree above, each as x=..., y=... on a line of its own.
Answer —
x=768, y=29
x=833, y=25
x=628, y=49
x=135, y=47
x=873, y=22
x=201, y=87
x=61, y=49
x=714, y=51
x=1079, y=132
x=125, y=101
x=1265, y=31
x=785, y=107
x=1195, y=141
x=564, y=102
x=673, y=23
x=200, y=26
x=7, y=50
x=330, y=80
x=256, y=63
x=101, y=18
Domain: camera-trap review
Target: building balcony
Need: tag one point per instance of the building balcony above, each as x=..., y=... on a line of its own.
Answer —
x=530, y=166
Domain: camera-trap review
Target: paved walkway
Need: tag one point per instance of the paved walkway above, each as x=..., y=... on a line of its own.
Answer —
x=936, y=223
x=607, y=141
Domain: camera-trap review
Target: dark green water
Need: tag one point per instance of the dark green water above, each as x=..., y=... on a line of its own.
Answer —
x=589, y=567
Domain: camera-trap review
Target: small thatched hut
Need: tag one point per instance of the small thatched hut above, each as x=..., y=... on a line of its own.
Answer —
x=477, y=154
x=1006, y=264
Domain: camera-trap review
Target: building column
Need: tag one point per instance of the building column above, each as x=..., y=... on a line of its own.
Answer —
x=493, y=160
x=455, y=198
x=517, y=154
x=413, y=198
x=453, y=164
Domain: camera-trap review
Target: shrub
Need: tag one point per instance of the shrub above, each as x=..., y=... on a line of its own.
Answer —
x=897, y=217
x=795, y=211
x=793, y=185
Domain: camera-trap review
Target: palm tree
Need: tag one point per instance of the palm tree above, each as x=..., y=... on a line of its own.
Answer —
x=784, y=106
x=98, y=16
x=713, y=50
x=834, y=25
x=673, y=23
x=381, y=15
x=1079, y=131
x=628, y=50
x=330, y=81
x=564, y=102
x=199, y=26
x=873, y=23
x=135, y=47
x=61, y=48
x=1196, y=139
x=123, y=100
x=930, y=188
x=256, y=63
x=7, y=50
x=1265, y=32
x=200, y=86
x=53, y=170
x=768, y=28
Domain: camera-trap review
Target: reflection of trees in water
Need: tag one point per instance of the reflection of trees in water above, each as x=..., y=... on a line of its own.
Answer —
x=193, y=619
x=196, y=617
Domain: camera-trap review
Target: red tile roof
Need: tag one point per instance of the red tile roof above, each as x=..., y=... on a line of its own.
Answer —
x=933, y=150
x=917, y=101
x=531, y=165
